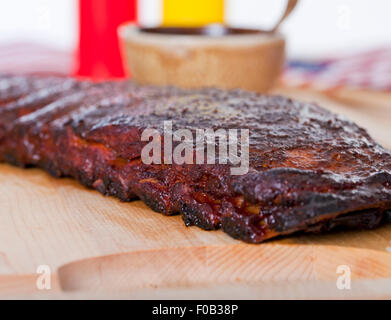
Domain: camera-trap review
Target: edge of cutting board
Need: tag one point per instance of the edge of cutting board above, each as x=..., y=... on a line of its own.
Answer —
x=221, y=265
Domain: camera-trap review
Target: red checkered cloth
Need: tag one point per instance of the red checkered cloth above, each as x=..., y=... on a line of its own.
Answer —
x=369, y=70
x=34, y=58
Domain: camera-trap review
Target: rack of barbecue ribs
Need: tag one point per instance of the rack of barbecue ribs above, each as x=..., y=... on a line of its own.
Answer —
x=309, y=170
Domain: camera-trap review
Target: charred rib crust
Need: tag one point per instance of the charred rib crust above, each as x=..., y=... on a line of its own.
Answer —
x=310, y=170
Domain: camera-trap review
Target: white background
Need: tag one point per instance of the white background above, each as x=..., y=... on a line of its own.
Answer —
x=316, y=28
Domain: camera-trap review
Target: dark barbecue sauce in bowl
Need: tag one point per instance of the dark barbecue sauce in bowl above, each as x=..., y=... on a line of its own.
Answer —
x=212, y=30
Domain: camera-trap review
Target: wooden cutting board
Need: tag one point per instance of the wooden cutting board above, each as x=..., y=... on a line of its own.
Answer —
x=97, y=246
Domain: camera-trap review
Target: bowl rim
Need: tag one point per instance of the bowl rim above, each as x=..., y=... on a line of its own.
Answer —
x=130, y=31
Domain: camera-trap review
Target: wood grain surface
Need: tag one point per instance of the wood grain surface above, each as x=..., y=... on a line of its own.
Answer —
x=97, y=246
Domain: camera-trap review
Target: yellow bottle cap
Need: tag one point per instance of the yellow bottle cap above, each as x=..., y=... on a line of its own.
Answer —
x=192, y=13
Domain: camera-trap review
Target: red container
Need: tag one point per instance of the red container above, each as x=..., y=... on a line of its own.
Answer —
x=98, y=54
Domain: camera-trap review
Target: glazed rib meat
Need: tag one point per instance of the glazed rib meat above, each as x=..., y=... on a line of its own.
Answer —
x=309, y=169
